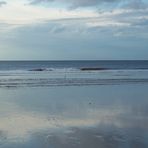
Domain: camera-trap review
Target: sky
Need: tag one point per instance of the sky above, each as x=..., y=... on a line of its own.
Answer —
x=73, y=29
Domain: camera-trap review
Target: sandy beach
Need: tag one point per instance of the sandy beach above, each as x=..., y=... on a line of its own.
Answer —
x=74, y=117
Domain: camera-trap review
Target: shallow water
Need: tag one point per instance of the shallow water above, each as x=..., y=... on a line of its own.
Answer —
x=104, y=116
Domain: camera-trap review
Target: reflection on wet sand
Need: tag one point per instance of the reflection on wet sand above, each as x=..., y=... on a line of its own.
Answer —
x=98, y=128
x=95, y=137
x=19, y=124
x=104, y=121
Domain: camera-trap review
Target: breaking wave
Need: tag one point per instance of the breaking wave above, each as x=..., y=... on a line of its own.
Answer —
x=70, y=77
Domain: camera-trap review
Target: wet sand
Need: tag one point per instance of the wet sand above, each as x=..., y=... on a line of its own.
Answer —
x=103, y=116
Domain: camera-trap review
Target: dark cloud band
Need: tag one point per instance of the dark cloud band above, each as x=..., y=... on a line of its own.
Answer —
x=73, y=4
x=76, y=3
x=2, y=3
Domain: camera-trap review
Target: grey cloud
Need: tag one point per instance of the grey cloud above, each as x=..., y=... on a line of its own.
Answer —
x=73, y=4
x=136, y=4
x=76, y=3
x=142, y=22
x=2, y=3
x=40, y=1
x=86, y=3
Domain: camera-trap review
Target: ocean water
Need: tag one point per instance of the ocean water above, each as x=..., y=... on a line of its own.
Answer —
x=70, y=73
x=55, y=104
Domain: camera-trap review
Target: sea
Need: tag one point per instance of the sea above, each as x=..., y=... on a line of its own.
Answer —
x=74, y=104
x=70, y=73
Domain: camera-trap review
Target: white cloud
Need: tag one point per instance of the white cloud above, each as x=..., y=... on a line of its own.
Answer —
x=18, y=13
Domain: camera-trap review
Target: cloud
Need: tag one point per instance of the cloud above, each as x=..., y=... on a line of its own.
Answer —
x=113, y=22
x=39, y=1
x=76, y=3
x=2, y=3
x=73, y=4
x=136, y=4
x=31, y=28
